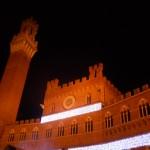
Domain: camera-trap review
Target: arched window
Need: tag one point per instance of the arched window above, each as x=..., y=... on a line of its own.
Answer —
x=125, y=114
x=22, y=134
x=61, y=129
x=144, y=108
x=89, y=125
x=49, y=132
x=74, y=127
x=35, y=133
x=108, y=120
x=89, y=98
x=11, y=135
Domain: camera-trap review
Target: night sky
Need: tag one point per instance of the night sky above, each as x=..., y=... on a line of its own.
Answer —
x=71, y=39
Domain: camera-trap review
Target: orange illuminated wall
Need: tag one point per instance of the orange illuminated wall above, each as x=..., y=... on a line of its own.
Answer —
x=92, y=89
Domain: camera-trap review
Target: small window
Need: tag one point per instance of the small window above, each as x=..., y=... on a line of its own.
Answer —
x=11, y=135
x=61, y=130
x=35, y=133
x=74, y=127
x=89, y=125
x=108, y=120
x=89, y=99
x=48, y=132
x=144, y=108
x=125, y=114
x=53, y=108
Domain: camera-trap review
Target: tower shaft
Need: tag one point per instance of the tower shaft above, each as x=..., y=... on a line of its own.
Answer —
x=22, y=48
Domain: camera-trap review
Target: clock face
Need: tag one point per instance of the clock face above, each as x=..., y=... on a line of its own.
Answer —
x=69, y=102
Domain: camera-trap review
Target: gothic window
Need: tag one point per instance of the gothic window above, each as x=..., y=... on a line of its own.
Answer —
x=74, y=127
x=11, y=135
x=22, y=134
x=108, y=120
x=35, y=133
x=61, y=130
x=144, y=108
x=89, y=125
x=125, y=114
x=89, y=98
x=48, y=132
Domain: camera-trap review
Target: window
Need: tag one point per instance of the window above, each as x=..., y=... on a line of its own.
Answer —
x=22, y=134
x=53, y=108
x=35, y=133
x=48, y=132
x=89, y=99
x=125, y=114
x=144, y=108
x=89, y=125
x=108, y=120
x=74, y=127
x=61, y=130
x=11, y=135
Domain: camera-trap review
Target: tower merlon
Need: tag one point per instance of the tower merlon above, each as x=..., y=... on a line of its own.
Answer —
x=96, y=71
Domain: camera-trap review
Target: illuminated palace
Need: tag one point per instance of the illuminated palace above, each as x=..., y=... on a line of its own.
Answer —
x=88, y=113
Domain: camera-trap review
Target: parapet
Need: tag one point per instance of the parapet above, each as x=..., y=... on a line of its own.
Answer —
x=95, y=71
x=128, y=94
x=29, y=121
x=53, y=83
x=135, y=91
x=145, y=87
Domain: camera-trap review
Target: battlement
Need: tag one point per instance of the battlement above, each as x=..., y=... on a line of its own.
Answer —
x=94, y=73
x=135, y=92
x=29, y=121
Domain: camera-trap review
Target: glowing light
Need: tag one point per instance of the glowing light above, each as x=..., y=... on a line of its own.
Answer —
x=71, y=113
x=128, y=143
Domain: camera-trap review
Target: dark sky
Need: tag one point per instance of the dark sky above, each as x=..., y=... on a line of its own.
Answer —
x=73, y=38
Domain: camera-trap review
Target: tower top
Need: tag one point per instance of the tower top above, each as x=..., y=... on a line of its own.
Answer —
x=29, y=27
x=25, y=39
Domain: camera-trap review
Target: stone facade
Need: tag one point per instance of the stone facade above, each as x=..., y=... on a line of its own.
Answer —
x=122, y=115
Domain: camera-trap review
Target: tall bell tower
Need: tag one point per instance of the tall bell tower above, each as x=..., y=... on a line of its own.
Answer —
x=22, y=48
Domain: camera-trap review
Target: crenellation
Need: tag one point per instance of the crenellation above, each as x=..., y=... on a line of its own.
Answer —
x=77, y=81
x=99, y=70
x=127, y=94
x=145, y=87
x=70, y=83
x=91, y=72
x=17, y=122
x=122, y=97
x=32, y=120
x=37, y=120
x=64, y=85
x=136, y=91
x=83, y=79
x=53, y=83
x=27, y=121
x=21, y=122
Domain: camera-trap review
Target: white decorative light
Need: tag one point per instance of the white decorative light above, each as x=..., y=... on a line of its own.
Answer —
x=72, y=113
x=128, y=143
